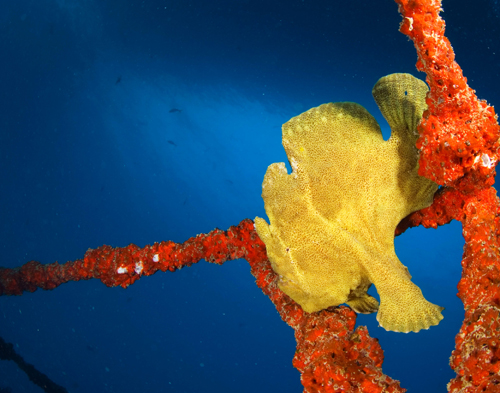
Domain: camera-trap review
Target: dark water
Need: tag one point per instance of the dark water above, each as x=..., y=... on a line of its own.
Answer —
x=91, y=153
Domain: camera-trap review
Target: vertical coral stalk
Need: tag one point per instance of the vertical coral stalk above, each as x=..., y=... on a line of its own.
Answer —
x=459, y=143
x=459, y=133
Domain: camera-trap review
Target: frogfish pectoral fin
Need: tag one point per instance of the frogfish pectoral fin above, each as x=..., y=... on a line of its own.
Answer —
x=407, y=310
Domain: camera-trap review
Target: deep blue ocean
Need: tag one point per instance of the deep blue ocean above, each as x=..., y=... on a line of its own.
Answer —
x=91, y=154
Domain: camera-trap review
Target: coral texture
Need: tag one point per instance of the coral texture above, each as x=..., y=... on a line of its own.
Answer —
x=459, y=143
x=332, y=220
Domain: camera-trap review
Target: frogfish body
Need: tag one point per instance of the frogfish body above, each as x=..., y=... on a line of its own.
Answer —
x=332, y=220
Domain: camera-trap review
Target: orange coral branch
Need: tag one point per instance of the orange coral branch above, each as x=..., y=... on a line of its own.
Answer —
x=122, y=266
x=459, y=143
x=459, y=133
x=331, y=355
x=447, y=206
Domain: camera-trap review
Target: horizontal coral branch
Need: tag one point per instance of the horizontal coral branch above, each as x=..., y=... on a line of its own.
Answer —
x=122, y=266
x=447, y=206
x=331, y=355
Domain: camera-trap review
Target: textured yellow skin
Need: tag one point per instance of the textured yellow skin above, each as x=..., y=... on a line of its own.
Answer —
x=332, y=220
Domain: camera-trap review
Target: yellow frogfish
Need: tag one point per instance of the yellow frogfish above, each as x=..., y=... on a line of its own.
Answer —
x=332, y=220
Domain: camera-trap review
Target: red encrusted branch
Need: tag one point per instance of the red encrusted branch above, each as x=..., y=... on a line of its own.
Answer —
x=122, y=266
x=447, y=206
x=459, y=133
x=459, y=143
x=331, y=355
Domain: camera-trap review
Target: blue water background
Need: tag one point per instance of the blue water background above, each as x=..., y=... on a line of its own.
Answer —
x=90, y=154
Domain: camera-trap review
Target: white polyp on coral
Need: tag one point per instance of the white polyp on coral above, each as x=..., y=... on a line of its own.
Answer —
x=484, y=160
x=122, y=270
x=138, y=267
x=410, y=20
